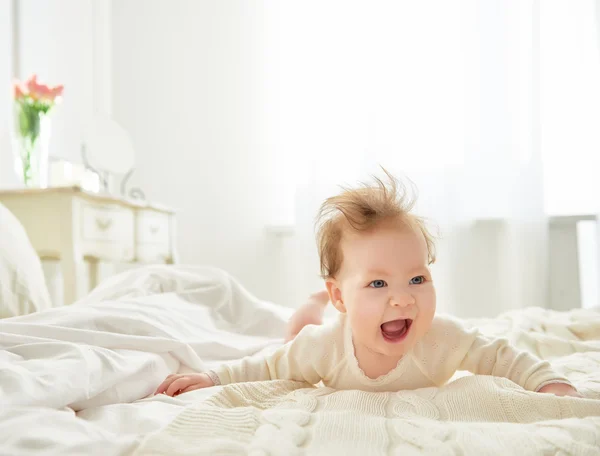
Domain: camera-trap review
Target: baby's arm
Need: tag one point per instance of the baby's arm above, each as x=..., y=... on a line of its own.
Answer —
x=498, y=358
x=296, y=360
x=301, y=359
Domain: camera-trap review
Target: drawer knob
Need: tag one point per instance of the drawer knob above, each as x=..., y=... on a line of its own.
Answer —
x=103, y=224
x=153, y=229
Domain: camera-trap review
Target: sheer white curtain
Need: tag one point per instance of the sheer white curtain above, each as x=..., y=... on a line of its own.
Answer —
x=570, y=116
x=444, y=93
x=570, y=105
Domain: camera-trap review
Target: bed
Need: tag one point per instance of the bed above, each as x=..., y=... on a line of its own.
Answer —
x=78, y=380
x=22, y=285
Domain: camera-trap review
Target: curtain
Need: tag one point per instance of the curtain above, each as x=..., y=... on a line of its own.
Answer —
x=570, y=104
x=442, y=93
x=569, y=119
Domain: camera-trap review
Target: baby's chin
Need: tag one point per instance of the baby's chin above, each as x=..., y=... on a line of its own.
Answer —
x=397, y=350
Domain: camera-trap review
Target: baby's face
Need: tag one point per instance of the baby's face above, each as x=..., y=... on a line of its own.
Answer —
x=386, y=288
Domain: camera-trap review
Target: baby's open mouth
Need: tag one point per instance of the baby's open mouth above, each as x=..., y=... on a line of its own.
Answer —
x=396, y=330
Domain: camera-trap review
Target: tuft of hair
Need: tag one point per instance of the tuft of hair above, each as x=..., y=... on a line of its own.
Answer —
x=361, y=209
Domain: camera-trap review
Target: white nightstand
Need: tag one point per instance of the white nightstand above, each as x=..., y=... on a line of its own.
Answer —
x=72, y=225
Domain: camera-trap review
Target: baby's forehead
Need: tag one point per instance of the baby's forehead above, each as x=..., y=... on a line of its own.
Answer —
x=408, y=231
x=397, y=245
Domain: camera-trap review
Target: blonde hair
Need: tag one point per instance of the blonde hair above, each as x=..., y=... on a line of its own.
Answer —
x=361, y=209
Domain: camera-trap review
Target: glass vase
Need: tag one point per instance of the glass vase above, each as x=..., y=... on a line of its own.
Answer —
x=31, y=138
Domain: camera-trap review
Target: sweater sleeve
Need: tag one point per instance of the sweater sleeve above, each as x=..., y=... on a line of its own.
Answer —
x=450, y=346
x=498, y=358
x=305, y=358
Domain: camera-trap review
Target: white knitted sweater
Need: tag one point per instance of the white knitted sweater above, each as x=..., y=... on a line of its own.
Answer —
x=326, y=353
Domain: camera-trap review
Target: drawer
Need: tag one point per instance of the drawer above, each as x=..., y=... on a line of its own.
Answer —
x=108, y=232
x=152, y=228
x=107, y=223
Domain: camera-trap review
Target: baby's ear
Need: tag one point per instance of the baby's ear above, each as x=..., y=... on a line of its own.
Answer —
x=335, y=295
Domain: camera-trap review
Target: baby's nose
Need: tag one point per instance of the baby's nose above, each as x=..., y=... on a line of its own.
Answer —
x=402, y=300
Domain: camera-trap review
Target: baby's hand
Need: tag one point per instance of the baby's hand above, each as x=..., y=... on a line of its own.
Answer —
x=176, y=384
x=559, y=389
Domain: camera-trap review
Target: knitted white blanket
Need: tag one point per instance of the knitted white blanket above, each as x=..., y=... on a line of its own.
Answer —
x=473, y=415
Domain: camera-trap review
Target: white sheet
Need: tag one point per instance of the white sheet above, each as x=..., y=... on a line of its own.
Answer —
x=22, y=285
x=78, y=380
x=69, y=377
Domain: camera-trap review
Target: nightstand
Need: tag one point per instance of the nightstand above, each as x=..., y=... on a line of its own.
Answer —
x=71, y=225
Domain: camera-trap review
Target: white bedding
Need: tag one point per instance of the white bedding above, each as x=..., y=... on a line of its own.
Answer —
x=78, y=379
x=474, y=415
x=22, y=285
x=69, y=376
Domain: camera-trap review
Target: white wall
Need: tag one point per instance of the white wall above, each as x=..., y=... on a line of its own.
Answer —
x=188, y=80
x=193, y=83
x=55, y=42
x=7, y=176
x=188, y=85
x=62, y=42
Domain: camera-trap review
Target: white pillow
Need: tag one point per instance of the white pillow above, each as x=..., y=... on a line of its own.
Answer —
x=22, y=285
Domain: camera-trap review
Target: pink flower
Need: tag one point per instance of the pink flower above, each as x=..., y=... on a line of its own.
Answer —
x=57, y=91
x=18, y=90
x=36, y=91
x=43, y=92
x=32, y=86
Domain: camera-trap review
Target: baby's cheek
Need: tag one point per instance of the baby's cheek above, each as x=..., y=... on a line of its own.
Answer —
x=427, y=305
x=365, y=315
x=425, y=317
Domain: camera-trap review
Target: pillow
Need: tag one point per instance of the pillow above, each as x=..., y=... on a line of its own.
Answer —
x=22, y=285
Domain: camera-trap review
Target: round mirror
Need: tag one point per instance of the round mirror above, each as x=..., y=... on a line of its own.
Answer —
x=108, y=147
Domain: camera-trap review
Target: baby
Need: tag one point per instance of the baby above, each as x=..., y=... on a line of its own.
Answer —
x=375, y=256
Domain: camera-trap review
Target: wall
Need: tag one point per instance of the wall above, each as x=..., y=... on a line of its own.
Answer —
x=7, y=176
x=194, y=83
x=188, y=80
x=63, y=42
x=55, y=42
x=188, y=84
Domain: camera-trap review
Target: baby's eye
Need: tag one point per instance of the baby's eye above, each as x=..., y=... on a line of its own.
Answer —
x=378, y=284
x=417, y=280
